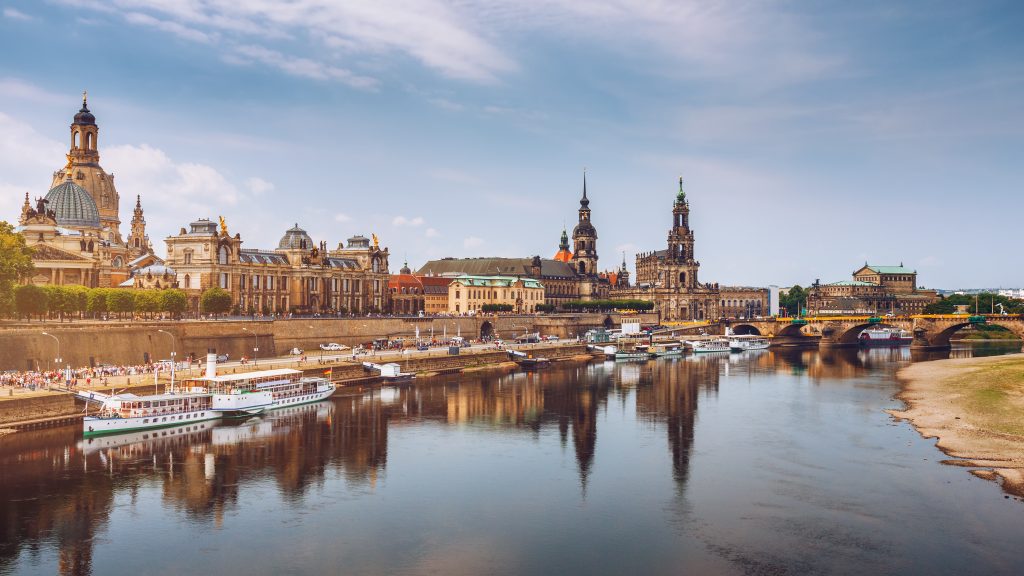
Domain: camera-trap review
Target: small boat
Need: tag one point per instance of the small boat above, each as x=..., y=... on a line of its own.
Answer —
x=392, y=372
x=527, y=361
x=251, y=393
x=635, y=352
x=883, y=336
x=121, y=413
x=710, y=345
x=739, y=344
x=667, y=349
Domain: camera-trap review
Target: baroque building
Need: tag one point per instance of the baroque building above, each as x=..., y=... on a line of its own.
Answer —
x=873, y=290
x=74, y=230
x=472, y=293
x=668, y=277
x=299, y=276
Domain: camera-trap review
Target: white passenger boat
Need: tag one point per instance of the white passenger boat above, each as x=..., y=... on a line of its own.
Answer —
x=121, y=413
x=667, y=349
x=710, y=345
x=634, y=352
x=256, y=392
x=741, y=344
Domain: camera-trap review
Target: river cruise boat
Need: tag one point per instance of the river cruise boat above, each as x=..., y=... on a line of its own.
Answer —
x=741, y=344
x=883, y=336
x=249, y=393
x=667, y=349
x=634, y=352
x=120, y=413
x=710, y=345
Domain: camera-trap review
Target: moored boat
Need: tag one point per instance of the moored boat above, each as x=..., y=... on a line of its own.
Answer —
x=251, y=393
x=120, y=413
x=741, y=344
x=665, y=349
x=884, y=336
x=709, y=345
x=634, y=352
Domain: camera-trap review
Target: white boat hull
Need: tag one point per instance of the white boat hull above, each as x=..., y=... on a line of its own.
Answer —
x=95, y=425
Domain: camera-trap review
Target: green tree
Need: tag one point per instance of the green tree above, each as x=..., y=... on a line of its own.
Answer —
x=147, y=301
x=121, y=301
x=983, y=303
x=30, y=299
x=96, y=301
x=793, y=301
x=77, y=299
x=15, y=264
x=173, y=302
x=56, y=300
x=215, y=301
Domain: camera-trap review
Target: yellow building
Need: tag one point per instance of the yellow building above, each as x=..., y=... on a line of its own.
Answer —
x=471, y=293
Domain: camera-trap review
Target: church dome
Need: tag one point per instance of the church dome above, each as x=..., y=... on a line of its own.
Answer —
x=295, y=238
x=84, y=116
x=73, y=206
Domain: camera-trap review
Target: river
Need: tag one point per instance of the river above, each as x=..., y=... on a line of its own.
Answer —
x=779, y=462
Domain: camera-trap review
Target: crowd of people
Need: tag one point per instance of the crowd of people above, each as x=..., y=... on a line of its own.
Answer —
x=75, y=376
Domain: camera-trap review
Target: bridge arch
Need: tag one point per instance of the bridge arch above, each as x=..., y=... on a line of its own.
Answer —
x=792, y=330
x=851, y=334
x=486, y=330
x=941, y=338
x=746, y=329
x=608, y=323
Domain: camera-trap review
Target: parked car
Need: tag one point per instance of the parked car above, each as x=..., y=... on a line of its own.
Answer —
x=222, y=357
x=333, y=346
x=295, y=351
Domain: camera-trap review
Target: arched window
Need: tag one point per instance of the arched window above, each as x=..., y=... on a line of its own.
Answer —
x=583, y=267
x=75, y=139
x=117, y=263
x=89, y=144
x=222, y=255
x=682, y=278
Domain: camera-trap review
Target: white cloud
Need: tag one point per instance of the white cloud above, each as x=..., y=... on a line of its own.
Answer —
x=472, y=242
x=175, y=28
x=431, y=233
x=342, y=217
x=296, y=66
x=403, y=221
x=258, y=186
x=26, y=160
x=15, y=88
x=15, y=14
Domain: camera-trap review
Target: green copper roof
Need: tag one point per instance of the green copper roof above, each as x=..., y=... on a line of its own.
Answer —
x=891, y=269
x=851, y=283
x=681, y=197
x=496, y=281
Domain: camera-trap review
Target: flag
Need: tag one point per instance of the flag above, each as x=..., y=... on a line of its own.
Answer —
x=328, y=372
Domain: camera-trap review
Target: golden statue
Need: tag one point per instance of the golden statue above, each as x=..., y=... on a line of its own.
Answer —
x=223, y=226
x=70, y=164
x=85, y=97
x=376, y=243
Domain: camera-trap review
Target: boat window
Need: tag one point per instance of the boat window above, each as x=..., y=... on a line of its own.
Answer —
x=146, y=421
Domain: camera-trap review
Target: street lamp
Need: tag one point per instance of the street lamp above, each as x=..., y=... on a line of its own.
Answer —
x=56, y=360
x=255, y=347
x=174, y=346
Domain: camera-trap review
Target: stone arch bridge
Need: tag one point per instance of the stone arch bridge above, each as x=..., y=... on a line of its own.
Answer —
x=930, y=331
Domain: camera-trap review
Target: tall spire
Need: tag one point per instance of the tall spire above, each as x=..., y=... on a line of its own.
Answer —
x=584, y=201
x=681, y=197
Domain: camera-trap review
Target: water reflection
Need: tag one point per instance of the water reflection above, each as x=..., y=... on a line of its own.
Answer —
x=60, y=492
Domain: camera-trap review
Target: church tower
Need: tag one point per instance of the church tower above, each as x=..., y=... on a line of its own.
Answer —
x=138, y=241
x=679, y=256
x=584, y=238
x=84, y=166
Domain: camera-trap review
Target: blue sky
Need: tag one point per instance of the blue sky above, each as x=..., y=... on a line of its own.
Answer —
x=811, y=136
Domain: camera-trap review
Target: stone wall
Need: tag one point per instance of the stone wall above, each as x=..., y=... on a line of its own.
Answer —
x=36, y=408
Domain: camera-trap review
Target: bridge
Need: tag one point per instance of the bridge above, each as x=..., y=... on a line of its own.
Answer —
x=930, y=331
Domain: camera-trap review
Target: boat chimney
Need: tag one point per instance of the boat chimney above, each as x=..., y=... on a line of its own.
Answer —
x=211, y=362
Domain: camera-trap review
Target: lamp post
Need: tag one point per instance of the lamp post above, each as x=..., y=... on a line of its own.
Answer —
x=57, y=359
x=174, y=346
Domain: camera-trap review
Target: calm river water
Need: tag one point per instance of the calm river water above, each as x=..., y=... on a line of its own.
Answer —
x=781, y=462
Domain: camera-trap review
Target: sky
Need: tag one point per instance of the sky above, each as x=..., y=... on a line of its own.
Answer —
x=811, y=136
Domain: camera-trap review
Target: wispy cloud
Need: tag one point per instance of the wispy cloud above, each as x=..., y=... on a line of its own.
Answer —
x=258, y=186
x=296, y=66
x=431, y=233
x=342, y=217
x=472, y=242
x=403, y=221
x=15, y=14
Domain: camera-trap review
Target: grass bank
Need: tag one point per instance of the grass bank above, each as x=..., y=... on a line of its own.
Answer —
x=975, y=407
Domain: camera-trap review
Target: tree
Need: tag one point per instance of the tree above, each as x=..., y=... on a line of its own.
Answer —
x=794, y=300
x=983, y=303
x=77, y=299
x=56, y=300
x=146, y=301
x=215, y=301
x=120, y=300
x=15, y=264
x=30, y=299
x=96, y=301
x=173, y=302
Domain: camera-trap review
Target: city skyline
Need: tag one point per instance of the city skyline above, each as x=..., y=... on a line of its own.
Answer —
x=469, y=137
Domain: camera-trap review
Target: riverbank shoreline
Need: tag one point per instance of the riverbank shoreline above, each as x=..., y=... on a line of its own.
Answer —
x=974, y=407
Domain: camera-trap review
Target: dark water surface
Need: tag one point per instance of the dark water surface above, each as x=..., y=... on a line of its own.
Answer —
x=781, y=462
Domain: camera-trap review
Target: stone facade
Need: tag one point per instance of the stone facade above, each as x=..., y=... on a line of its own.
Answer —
x=471, y=293
x=873, y=290
x=669, y=277
x=743, y=301
x=299, y=276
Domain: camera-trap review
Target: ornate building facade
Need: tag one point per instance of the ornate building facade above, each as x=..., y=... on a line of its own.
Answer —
x=299, y=276
x=74, y=230
x=472, y=293
x=669, y=277
x=873, y=290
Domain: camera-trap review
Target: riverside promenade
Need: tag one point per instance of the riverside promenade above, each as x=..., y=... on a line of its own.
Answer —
x=22, y=409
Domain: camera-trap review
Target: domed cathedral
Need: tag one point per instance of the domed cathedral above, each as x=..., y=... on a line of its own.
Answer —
x=74, y=228
x=299, y=276
x=669, y=277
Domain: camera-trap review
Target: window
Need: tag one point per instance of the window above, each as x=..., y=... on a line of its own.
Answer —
x=223, y=280
x=188, y=257
x=222, y=255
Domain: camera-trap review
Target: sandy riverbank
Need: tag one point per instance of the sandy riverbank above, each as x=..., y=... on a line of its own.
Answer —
x=975, y=407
